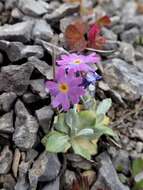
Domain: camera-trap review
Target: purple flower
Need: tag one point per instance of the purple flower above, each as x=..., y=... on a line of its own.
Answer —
x=91, y=78
x=66, y=89
x=78, y=62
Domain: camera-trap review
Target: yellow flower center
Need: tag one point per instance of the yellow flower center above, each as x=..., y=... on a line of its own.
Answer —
x=63, y=87
x=78, y=61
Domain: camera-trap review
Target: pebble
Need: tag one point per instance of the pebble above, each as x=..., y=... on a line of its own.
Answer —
x=26, y=127
x=6, y=123
x=17, y=32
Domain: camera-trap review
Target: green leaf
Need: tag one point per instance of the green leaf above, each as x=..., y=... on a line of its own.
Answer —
x=72, y=120
x=60, y=124
x=83, y=147
x=103, y=130
x=104, y=106
x=137, y=166
x=138, y=186
x=85, y=132
x=56, y=142
x=87, y=118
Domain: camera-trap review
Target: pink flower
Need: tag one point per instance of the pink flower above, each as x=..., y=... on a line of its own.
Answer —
x=78, y=62
x=65, y=89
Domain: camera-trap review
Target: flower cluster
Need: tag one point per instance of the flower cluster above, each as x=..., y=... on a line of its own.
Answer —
x=73, y=74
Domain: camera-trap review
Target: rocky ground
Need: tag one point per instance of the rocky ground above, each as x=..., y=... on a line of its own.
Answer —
x=28, y=30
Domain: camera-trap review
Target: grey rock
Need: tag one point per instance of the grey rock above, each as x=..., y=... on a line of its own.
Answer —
x=109, y=34
x=17, y=32
x=29, y=98
x=44, y=116
x=129, y=10
x=139, y=147
x=33, y=8
x=55, y=185
x=127, y=52
x=1, y=7
x=37, y=87
x=69, y=177
x=49, y=170
x=64, y=10
x=15, y=78
x=139, y=65
x=26, y=127
x=78, y=162
x=42, y=30
x=121, y=162
x=22, y=182
x=7, y=181
x=17, y=50
x=5, y=160
x=123, y=78
x=6, y=123
x=118, y=29
x=31, y=155
x=107, y=177
x=9, y=4
x=118, y=4
x=6, y=101
x=42, y=67
x=1, y=58
x=135, y=21
x=130, y=36
x=17, y=14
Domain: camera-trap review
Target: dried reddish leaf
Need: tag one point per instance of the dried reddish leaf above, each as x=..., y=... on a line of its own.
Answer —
x=140, y=8
x=93, y=32
x=74, y=36
x=98, y=42
x=80, y=184
x=104, y=21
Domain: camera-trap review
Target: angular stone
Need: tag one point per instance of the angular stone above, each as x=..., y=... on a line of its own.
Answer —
x=44, y=116
x=55, y=185
x=136, y=21
x=127, y=52
x=7, y=181
x=69, y=177
x=17, y=32
x=64, y=10
x=33, y=8
x=17, y=50
x=121, y=162
x=6, y=101
x=22, y=182
x=5, y=160
x=42, y=67
x=26, y=127
x=29, y=98
x=130, y=36
x=6, y=123
x=15, y=78
x=107, y=176
x=42, y=30
x=49, y=170
x=37, y=86
x=10, y=4
x=123, y=78
x=31, y=155
x=109, y=34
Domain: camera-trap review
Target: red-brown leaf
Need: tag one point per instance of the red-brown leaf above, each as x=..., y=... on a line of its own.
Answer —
x=74, y=36
x=104, y=21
